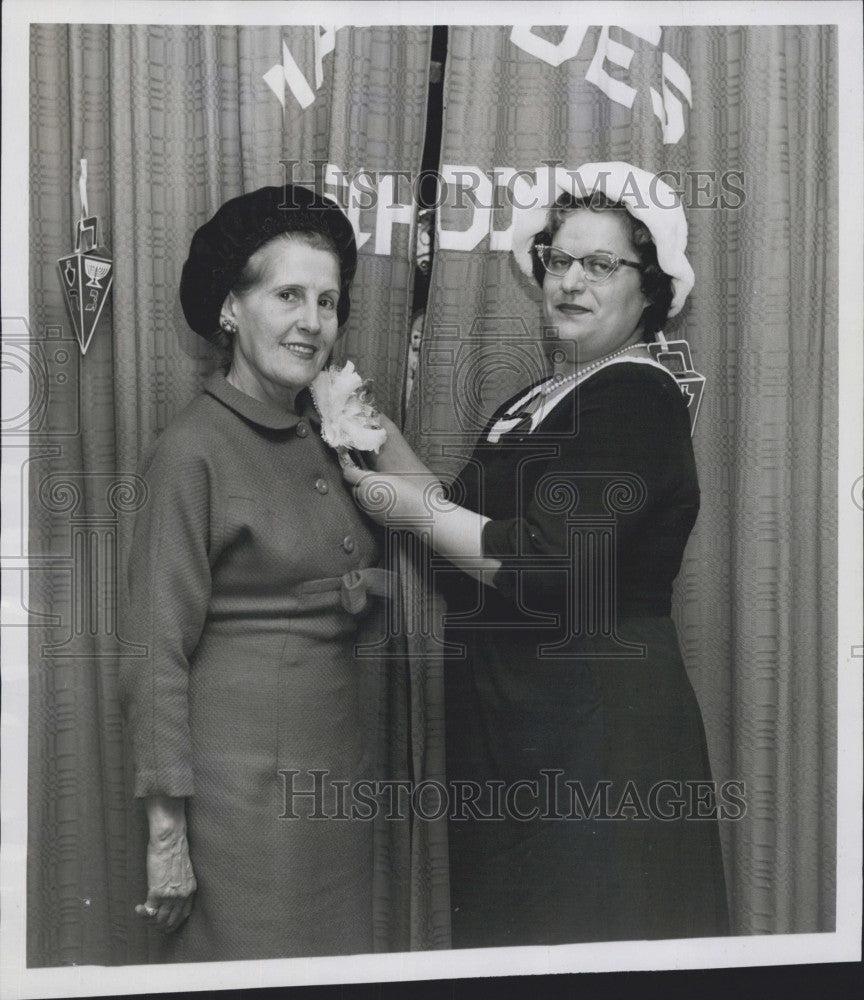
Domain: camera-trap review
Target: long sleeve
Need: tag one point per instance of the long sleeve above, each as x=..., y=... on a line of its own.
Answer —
x=169, y=587
x=632, y=428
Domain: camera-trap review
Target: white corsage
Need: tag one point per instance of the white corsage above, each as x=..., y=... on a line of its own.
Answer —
x=348, y=415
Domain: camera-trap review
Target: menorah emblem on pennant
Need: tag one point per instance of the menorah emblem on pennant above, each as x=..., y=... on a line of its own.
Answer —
x=675, y=356
x=85, y=277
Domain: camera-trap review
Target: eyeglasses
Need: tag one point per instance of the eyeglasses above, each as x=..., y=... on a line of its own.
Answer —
x=597, y=267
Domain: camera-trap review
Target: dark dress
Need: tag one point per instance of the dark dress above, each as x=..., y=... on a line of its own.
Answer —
x=245, y=583
x=590, y=514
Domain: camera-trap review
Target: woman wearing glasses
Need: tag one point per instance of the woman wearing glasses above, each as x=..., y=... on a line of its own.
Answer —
x=581, y=801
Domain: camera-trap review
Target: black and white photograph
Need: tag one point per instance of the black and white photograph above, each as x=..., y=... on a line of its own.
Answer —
x=432, y=488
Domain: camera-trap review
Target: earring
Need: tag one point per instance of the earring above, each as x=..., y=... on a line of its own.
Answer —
x=228, y=324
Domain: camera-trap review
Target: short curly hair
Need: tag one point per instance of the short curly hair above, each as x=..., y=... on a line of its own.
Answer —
x=656, y=284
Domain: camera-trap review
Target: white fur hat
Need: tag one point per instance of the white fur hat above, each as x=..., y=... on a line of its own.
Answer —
x=643, y=194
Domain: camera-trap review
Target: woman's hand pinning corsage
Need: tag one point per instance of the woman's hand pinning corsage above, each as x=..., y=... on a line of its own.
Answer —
x=349, y=419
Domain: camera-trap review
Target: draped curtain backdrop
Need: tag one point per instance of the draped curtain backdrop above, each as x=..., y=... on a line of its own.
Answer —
x=755, y=599
x=174, y=120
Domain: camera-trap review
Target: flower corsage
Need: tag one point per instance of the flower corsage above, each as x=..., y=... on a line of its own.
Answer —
x=349, y=420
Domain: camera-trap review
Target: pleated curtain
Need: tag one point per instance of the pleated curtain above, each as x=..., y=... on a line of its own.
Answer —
x=174, y=120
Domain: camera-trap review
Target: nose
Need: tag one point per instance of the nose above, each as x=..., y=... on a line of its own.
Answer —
x=574, y=279
x=311, y=320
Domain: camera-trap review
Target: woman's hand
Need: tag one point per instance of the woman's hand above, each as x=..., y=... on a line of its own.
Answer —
x=407, y=499
x=396, y=455
x=416, y=501
x=171, y=882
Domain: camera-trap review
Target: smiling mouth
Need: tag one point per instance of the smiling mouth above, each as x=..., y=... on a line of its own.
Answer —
x=300, y=350
x=571, y=307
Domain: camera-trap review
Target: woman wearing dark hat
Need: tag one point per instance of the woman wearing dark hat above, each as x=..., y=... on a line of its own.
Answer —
x=247, y=580
x=574, y=740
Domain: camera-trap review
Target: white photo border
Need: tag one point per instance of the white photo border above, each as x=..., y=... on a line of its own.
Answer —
x=844, y=944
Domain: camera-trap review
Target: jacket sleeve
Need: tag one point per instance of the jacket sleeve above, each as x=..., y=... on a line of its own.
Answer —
x=629, y=455
x=167, y=596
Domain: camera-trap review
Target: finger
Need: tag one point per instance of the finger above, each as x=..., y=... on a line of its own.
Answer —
x=353, y=473
x=163, y=914
x=175, y=916
x=170, y=921
x=187, y=908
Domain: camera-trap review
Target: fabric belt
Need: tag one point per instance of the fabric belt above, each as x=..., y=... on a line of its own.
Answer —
x=354, y=587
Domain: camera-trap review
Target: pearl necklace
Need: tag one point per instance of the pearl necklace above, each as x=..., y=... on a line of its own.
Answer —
x=536, y=397
x=557, y=381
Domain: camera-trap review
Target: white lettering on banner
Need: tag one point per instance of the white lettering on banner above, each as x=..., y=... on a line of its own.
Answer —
x=467, y=239
x=665, y=104
x=361, y=184
x=387, y=212
x=523, y=37
x=667, y=107
x=525, y=189
x=352, y=194
x=507, y=178
x=614, y=52
x=289, y=74
x=325, y=43
x=334, y=178
x=467, y=187
x=482, y=202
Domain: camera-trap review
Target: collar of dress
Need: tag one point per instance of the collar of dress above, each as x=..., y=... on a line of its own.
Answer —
x=258, y=412
x=507, y=422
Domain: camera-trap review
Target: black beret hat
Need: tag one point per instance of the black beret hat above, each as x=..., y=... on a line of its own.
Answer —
x=221, y=247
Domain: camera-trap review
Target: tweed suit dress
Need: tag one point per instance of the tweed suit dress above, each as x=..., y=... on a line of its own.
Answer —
x=245, y=583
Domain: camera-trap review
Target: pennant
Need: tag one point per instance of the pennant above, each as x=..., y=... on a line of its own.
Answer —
x=675, y=355
x=85, y=277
